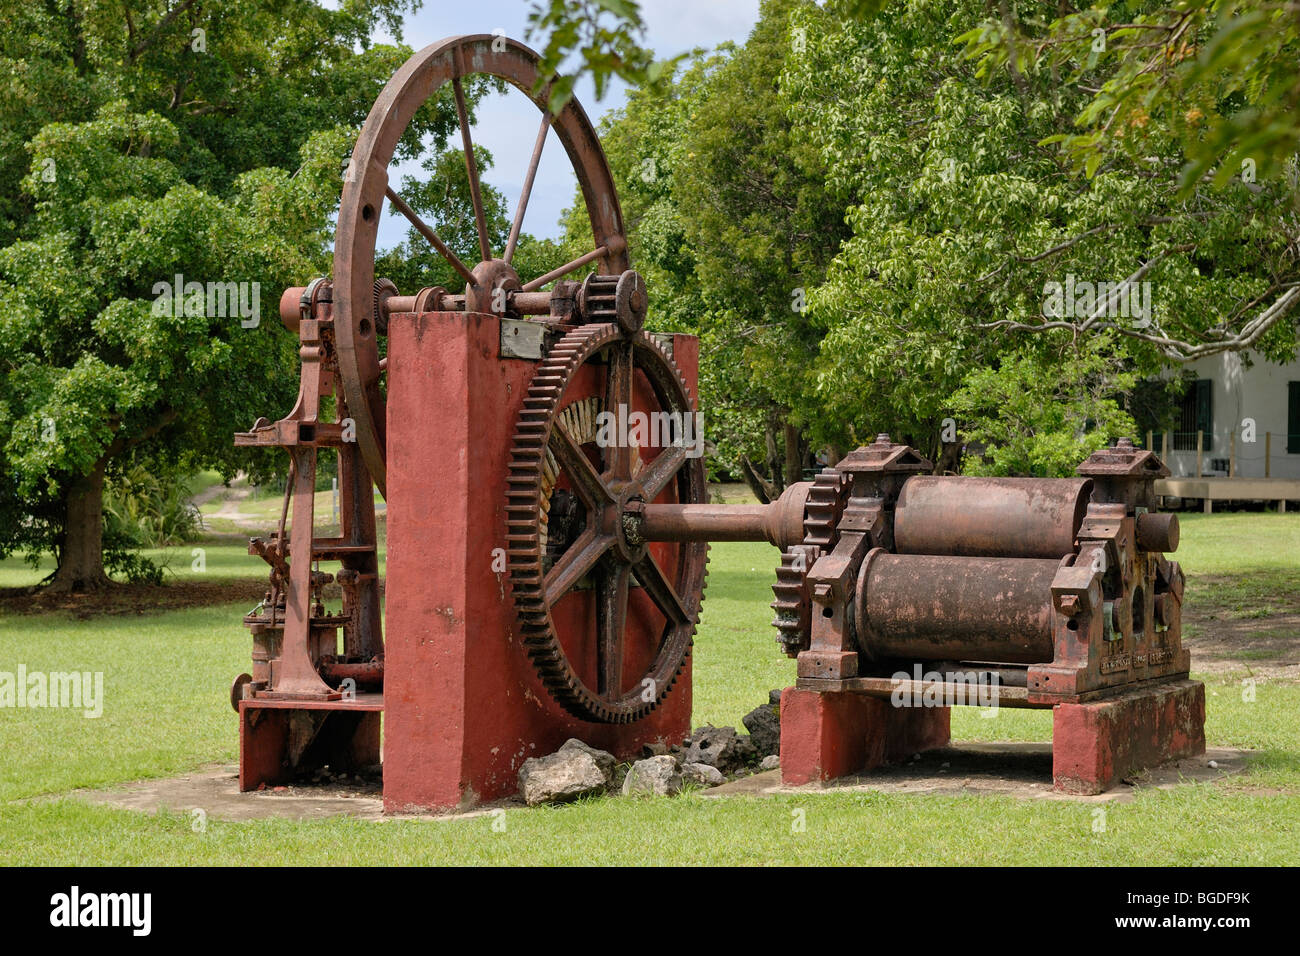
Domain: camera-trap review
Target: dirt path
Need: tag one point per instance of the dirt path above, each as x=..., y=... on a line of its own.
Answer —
x=1228, y=633
x=230, y=501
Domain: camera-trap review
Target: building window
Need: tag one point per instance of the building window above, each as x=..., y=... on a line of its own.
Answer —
x=1293, y=418
x=1197, y=415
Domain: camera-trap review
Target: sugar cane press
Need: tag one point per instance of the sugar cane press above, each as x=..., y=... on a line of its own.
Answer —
x=548, y=525
x=909, y=591
x=474, y=414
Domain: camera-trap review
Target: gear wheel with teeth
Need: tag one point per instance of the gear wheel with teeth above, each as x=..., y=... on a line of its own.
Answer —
x=643, y=598
x=793, y=605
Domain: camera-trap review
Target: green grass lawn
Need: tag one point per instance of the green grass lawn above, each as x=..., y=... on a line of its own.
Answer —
x=166, y=677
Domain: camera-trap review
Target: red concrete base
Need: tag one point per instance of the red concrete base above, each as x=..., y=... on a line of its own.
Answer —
x=1096, y=745
x=464, y=706
x=828, y=735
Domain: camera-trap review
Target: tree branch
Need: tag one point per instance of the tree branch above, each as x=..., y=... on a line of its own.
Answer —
x=1177, y=349
x=158, y=29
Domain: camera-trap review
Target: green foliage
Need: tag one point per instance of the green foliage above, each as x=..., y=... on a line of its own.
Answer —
x=1218, y=75
x=143, y=509
x=1041, y=415
x=121, y=559
x=730, y=221
x=443, y=200
x=141, y=141
x=961, y=218
x=932, y=131
x=606, y=34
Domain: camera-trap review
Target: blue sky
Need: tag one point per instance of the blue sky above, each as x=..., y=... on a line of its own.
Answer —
x=507, y=125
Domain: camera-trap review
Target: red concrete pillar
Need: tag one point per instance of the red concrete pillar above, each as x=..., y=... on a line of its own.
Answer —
x=463, y=704
x=1096, y=745
x=829, y=735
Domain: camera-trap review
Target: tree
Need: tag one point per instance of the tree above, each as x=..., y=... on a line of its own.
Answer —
x=161, y=140
x=763, y=227
x=606, y=35
x=444, y=201
x=1220, y=75
x=965, y=216
x=108, y=356
x=947, y=132
x=730, y=220
x=1216, y=78
x=1040, y=415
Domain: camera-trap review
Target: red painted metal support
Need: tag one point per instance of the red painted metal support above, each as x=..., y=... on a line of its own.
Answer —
x=281, y=739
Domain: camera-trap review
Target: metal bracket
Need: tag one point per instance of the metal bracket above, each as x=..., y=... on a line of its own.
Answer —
x=522, y=339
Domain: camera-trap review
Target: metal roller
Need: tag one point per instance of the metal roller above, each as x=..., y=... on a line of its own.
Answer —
x=990, y=517
x=929, y=608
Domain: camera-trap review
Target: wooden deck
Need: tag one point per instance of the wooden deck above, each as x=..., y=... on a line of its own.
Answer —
x=1210, y=490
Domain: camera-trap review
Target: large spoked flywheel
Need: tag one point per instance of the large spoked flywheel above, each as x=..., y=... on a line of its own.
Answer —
x=607, y=618
x=449, y=62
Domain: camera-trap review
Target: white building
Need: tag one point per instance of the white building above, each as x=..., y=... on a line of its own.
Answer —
x=1224, y=403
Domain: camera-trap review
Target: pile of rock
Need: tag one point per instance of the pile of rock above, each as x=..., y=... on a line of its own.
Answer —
x=707, y=758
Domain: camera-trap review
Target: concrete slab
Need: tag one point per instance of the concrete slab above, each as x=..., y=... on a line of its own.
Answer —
x=1022, y=770
x=215, y=790
x=1005, y=769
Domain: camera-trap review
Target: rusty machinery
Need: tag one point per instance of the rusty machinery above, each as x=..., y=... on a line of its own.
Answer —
x=1058, y=588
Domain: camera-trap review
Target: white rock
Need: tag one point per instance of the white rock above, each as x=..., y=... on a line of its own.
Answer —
x=657, y=776
x=563, y=776
x=702, y=774
x=604, y=760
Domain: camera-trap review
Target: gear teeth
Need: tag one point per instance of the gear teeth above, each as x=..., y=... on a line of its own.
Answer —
x=526, y=516
x=793, y=605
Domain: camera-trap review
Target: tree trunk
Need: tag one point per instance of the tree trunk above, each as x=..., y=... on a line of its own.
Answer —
x=793, y=456
x=774, y=455
x=81, y=556
x=759, y=485
x=949, y=458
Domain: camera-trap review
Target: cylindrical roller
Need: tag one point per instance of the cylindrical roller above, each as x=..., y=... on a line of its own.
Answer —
x=990, y=517
x=932, y=608
x=1157, y=532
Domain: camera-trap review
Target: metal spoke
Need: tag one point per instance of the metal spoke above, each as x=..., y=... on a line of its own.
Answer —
x=472, y=169
x=570, y=457
x=655, y=476
x=618, y=402
x=565, y=269
x=400, y=205
x=580, y=558
x=528, y=187
x=611, y=614
x=660, y=590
